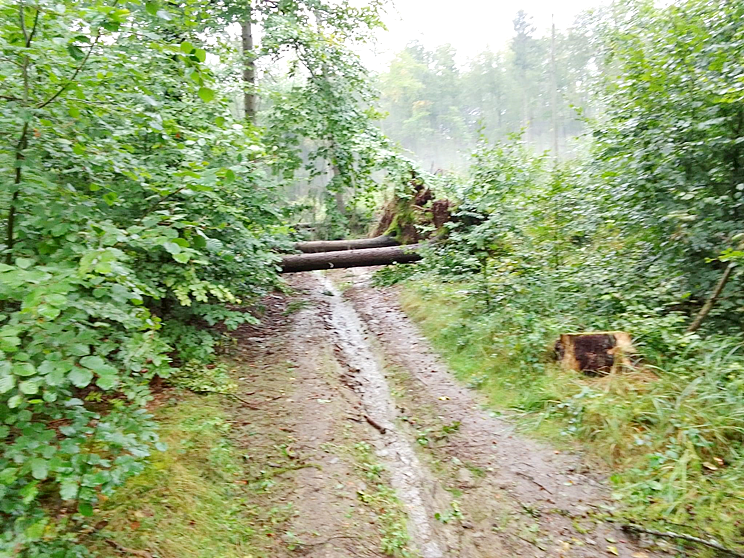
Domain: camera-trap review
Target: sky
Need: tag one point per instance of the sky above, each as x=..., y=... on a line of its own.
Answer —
x=471, y=27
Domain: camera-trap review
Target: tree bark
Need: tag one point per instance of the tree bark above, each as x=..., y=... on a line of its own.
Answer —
x=316, y=246
x=554, y=92
x=349, y=258
x=249, y=68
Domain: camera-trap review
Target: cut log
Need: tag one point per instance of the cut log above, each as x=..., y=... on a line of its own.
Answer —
x=314, y=246
x=596, y=353
x=349, y=258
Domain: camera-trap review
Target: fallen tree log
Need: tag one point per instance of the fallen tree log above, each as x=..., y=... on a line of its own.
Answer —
x=315, y=246
x=349, y=258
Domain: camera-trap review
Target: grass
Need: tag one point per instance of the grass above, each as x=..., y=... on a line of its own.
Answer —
x=186, y=496
x=381, y=498
x=672, y=434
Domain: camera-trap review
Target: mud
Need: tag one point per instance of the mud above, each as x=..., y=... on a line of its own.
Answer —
x=360, y=372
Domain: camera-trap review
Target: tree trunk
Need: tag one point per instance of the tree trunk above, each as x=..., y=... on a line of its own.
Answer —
x=249, y=68
x=316, y=246
x=554, y=93
x=708, y=306
x=349, y=258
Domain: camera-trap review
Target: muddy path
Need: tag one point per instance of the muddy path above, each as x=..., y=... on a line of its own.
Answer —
x=374, y=449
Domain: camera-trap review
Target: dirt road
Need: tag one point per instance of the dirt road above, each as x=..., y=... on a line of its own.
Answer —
x=361, y=443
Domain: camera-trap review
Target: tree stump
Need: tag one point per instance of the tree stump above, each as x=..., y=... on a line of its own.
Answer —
x=596, y=353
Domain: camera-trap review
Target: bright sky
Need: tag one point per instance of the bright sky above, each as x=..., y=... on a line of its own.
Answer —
x=469, y=25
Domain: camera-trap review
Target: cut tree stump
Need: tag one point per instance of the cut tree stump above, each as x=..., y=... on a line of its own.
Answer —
x=315, y=246
x=349, y=258
x=595, y=353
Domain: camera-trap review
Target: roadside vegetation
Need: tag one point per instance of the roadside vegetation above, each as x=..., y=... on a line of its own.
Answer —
x=185, y=495
x=142, y=203
x=636, y=235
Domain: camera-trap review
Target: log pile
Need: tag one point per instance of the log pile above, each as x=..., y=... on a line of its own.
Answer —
x=406, y=221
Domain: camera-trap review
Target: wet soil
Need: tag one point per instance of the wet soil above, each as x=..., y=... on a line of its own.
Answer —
x=338, y=380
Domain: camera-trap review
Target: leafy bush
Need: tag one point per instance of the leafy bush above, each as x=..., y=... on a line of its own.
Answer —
x=135, y=206
x=634, y=236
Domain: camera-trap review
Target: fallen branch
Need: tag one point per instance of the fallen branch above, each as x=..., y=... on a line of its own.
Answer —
x=532, y=479
x=682, y=536
x=236, y=397
x=375, y=424
x=708, y=306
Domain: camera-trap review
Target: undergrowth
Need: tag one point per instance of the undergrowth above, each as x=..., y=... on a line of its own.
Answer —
x=671, y=430
x=186, y=503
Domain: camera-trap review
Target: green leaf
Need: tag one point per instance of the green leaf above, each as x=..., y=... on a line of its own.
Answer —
x=200, y=54
x=183, y=257
x=7, y=382
x=78, y=349
x=80, y=377
x=152, y=8
x=76, y=52
x=49, y=312
x=29, y=492
x=94, y=362
x=35, y=531
x=29, y=387
x=68, y=489
x=171, y=247
x=110, y=198
x=24, y=263
x=15, y=401
x=39, y=468
x=206, y=94
x=24, y=369
x=187, y=47
x=85, y=508
x=107, y=382
x=56, y=299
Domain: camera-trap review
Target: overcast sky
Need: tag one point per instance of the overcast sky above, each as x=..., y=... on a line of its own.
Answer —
x=469, y=25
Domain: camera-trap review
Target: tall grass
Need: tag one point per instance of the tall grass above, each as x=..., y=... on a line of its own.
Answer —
x=671, y=431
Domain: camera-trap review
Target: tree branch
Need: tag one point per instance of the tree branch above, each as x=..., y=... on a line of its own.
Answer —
x=78, y=69
x=10, y=228
x=708, y=306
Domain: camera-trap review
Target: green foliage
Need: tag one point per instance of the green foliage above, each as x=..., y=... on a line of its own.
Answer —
x=133, y=207
x=632, y=237
x=321, y=122
x=392, y=274
x=193, y=478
